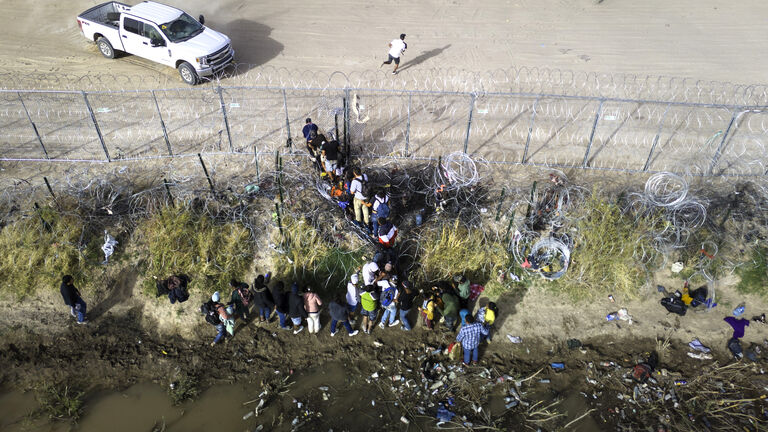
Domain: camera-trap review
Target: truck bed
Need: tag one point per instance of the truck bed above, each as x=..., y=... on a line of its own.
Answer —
x=105, y=13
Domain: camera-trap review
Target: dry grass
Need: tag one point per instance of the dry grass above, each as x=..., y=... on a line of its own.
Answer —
x=603, y=258
x=36, y=254
x=178, y=241
x=448, y=250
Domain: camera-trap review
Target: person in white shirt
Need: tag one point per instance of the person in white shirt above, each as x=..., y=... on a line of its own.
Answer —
x=370, y=272
x=396, y=48
x=361, y=204
x=353, y=296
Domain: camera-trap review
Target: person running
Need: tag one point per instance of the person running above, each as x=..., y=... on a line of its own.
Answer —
x=73, y=299
x=396, y=49
x=353, y=297
x=262, y=298
x=242, y=298
x=470, y=336
x=312, y=305
x=340, y=314
x=369, y=308
x=281, y=304
x=359, y=189
x=388, y=301
x=405, y=303
x=296, y=308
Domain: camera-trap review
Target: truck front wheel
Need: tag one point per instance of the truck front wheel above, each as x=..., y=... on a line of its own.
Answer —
x=105, y=48
x=188, y=74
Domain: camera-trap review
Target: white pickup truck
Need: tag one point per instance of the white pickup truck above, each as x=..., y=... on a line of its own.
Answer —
x=159, y=33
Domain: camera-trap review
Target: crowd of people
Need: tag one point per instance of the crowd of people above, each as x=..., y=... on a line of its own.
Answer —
x=375, y=297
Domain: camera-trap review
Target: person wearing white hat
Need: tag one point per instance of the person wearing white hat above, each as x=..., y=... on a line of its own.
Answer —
x=353, y=297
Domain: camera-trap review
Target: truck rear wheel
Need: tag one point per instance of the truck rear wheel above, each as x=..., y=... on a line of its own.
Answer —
x=187, y=73
x=105, y=48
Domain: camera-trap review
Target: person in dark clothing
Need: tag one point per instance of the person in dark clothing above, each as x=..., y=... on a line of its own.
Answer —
x=262, y=298
x=175, y=287
x=309, y=127
x=340, y=314
x=242, y=297
x=73, y=299
x=281, y=303
x=330, y=151
x=405, y=303
x=315, y=146
x=296, y=308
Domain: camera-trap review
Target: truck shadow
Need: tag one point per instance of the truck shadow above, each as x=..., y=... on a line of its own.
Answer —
x=252, y=44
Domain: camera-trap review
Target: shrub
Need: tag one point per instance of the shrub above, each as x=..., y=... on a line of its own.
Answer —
x=603, y=260
x=37, y=254
x=754, y=274
x=60, y=402
x=448, y=250
x=179, y=241
x=307, y=258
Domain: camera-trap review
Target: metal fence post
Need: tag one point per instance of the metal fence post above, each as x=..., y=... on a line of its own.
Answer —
x=162, y=124
x=205, y=170
x=719, y=151
x=592, y=135
x=34, y=127
x=530, y=131
x=346, y=121
x=408, y=127
x=226, y=120
x=96, y=125
x=289, y=141
x=656, y=140
x=469, y=121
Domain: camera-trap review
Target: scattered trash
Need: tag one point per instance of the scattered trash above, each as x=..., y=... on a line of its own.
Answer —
x=375, y=375
x=404, y=420
x=700, y=356
x=613, y=316
x=515, y=339
x=378, y=344
x=443, y=414
x=557, y=366
x=698, y=346
x=544, y=381
x=610, y=297
x=677, y=267
x=739, y=309
x=624, y=315
x=109, y=246
x=681, y=382
x=248, y=415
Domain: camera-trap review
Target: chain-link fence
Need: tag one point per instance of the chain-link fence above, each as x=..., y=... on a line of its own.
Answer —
x=547, y=130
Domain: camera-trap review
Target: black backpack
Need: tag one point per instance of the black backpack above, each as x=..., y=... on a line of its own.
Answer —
x=365, y=188
x=674, y=305
x=211, y=314
x=699, y=296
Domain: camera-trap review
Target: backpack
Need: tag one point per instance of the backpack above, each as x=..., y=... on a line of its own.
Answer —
x=699, y=296
x=641, y=372
x=365, y=188
x=674, y=305
x=383, y=210
x=388, y=296
x=211, y=314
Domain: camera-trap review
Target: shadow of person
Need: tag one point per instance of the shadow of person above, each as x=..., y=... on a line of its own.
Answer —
x=421, y=58
x=252, y=44
x=123, y=289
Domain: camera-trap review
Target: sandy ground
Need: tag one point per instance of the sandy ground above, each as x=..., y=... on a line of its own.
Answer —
x=700, y=39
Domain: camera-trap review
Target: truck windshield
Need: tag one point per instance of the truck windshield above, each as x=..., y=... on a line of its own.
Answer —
x=183, y=28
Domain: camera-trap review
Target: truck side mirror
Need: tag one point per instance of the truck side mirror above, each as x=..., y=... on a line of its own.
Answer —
x=202, y=20
x=157, y=42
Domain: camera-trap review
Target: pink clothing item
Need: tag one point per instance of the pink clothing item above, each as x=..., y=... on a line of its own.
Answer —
x=312, y=302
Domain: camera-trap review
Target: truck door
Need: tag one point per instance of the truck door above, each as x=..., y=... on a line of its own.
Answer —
x=137, y=38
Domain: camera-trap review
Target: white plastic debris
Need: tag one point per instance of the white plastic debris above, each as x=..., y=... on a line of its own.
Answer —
x=515, y=339
x=109, y=246
x=677, y=267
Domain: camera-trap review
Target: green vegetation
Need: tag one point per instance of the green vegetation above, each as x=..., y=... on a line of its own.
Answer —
x=60, y=402
x=449, y=250
x=603, y=260
x=754, y=274
x=179, y=241
x=184, y=389
x=40, y=249
x=306, y=257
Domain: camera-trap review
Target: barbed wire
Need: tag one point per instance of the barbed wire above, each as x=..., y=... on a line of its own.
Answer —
x=534, y=80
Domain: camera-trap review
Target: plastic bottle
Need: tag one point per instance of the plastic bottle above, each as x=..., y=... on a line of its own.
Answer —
x=515, y=339
x=612, y=316
x=739, y=309
x=557, y=366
